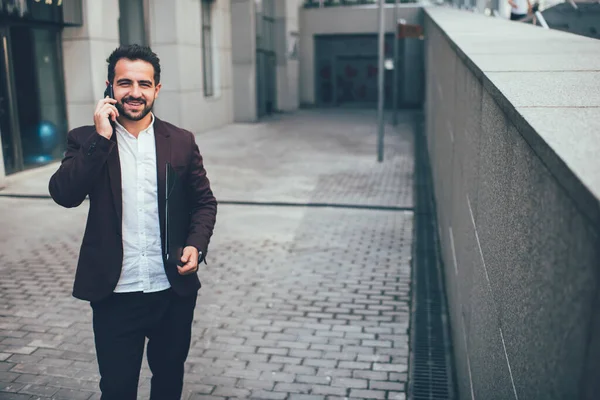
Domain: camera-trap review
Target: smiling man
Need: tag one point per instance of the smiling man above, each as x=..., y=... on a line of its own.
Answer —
x=135, y=292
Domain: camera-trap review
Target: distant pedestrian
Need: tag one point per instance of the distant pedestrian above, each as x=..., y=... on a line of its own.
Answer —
x=520, y=9
x=135, y=292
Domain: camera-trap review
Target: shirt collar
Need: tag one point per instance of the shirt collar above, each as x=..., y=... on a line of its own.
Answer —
x=150, y=129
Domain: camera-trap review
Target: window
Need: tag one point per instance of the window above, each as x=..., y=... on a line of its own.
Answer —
x=207, y=49
x=132, y=22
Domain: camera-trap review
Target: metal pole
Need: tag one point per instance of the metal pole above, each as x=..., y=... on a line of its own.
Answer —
x=396, y=66
x=380, y=92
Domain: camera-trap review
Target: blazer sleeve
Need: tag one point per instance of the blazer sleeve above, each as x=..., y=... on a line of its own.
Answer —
x=83, y=161
x=203, y=204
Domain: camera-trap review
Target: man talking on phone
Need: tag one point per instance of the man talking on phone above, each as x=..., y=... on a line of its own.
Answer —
x=122, y=162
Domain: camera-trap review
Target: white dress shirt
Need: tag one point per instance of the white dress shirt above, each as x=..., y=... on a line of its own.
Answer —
x=143, y=268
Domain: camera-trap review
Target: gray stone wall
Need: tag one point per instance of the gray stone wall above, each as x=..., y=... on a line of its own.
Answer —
x=511, y=123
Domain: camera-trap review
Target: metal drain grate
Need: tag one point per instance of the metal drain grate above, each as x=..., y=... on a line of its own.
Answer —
x=430, y=371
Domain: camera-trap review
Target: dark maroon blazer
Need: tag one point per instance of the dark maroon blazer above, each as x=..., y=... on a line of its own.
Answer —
x=91, y=168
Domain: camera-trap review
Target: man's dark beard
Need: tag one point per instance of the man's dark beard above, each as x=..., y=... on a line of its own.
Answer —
x=120, y=106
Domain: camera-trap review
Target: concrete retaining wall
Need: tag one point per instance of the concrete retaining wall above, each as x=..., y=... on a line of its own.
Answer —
x=512, y=122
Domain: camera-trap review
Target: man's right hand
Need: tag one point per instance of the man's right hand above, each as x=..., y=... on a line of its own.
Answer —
x=105, y=111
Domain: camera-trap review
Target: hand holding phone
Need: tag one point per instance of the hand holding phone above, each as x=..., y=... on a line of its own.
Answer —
x=105, y=113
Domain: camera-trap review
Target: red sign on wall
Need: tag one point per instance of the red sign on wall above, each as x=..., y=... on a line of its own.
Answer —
x=409, y=31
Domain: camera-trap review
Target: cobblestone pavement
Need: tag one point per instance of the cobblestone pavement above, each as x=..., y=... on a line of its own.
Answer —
x=297, y=302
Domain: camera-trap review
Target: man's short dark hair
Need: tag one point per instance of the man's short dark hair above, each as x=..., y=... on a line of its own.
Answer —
x=133, y=52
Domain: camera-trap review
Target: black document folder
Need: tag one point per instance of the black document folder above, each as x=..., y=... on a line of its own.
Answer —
x=176, y=224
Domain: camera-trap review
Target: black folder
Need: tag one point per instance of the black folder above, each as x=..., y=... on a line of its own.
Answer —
x=176, y=225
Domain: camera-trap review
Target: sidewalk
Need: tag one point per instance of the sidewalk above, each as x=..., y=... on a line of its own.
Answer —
x=297, y=302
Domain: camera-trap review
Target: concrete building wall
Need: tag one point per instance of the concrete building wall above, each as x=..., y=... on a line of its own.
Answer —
x=515, y=174
x=359, y=20
x=175, y=35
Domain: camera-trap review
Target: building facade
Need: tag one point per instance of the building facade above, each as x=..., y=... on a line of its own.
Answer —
x=222, y=61
x=339, y=56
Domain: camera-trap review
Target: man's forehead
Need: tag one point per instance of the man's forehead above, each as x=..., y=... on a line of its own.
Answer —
x=138, y=67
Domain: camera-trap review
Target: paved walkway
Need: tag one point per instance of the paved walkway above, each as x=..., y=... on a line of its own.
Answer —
x=297, y=302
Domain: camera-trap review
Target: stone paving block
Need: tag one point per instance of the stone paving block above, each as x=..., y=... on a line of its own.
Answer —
x=267, y=395
x=33, y=379
x=334, y=372
x=256, y=366
x=231, y=392
x=15, y=396
x=293, y=345
x=70, y=394
x=328, y=390
x=218, y=380
x=40, y=391
x=242, y=373
x=277, y=376
x=252, y=357
x=306, y=397
x=350, y=383
x=370, y=375
x=292, y=387
x=305, y=353
x=286, y=360
x=354, y=365
x=300, y=369
x=381, y=385
x=340, y=356
x=318, y=362
x=11, y=386
x=367, y=394
x=390, y=367
x=8, y=376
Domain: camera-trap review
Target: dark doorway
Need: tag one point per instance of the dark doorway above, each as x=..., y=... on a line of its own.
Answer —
x=347, y=71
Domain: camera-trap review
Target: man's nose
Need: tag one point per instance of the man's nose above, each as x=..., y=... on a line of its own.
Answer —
x=136, y=91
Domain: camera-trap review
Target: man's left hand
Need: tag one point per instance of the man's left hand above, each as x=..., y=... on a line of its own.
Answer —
x=189, y=260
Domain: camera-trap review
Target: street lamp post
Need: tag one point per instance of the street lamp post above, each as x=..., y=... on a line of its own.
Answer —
x=396, y=67
x=381, y=72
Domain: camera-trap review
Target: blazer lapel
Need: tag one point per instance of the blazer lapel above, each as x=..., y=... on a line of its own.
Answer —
x=163, y=156
x=114, y=174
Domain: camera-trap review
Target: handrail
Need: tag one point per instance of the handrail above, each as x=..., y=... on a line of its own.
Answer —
x=338, y=3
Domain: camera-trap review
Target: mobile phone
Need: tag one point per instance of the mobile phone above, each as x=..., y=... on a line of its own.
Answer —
x=109, y=91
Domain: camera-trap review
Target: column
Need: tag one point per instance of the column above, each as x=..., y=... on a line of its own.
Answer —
x=243, y=38
x=85, y=50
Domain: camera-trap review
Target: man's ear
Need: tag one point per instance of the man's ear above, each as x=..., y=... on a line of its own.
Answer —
x=157, y=90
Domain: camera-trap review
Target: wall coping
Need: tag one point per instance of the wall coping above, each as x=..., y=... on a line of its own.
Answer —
x=547, y=82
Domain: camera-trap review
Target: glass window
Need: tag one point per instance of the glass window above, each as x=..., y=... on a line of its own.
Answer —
x=39, y=93
x=132, y=24
x=207, y=49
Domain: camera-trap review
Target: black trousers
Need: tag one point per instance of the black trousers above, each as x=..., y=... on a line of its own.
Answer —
x=517, y=17
x=122, y=322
